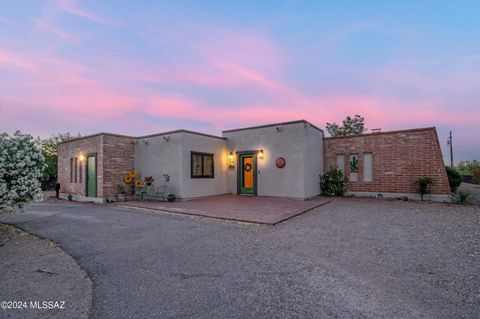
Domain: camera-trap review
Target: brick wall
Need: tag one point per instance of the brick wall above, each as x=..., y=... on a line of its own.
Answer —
x=115, y=157
x=85, y=146
x=399, y=158
x=119, y=155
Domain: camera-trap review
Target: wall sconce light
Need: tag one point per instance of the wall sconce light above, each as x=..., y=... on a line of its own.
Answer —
x=230, y=160
x=260, y=154
x=145, y=142
x=81, y=157
x=166, y=138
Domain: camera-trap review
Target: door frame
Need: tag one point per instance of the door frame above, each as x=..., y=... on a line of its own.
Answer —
x=240, y=169
x=94, y=154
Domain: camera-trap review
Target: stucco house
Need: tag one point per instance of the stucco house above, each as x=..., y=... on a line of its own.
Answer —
x=281, y=159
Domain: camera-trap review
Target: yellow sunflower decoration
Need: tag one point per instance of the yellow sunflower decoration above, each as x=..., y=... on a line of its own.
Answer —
x=127, y=179
x=132, y=173
x=138, y=183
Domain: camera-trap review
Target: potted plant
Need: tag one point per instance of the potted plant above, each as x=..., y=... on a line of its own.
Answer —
x=121, y=196
x=354, y=168
x=423, y=184
x=171, y=197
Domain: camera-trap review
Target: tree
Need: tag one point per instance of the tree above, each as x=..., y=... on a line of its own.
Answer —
x=49, y=147
x=21, y=166
x=351, y=126
x=467, y=167
x=454, y=178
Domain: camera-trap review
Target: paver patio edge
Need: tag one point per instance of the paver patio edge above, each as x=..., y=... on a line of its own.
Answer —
x=302, y=212
x=186, y=212
x=172, y=211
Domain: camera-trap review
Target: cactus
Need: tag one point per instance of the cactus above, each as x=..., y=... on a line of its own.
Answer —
x=354, y=164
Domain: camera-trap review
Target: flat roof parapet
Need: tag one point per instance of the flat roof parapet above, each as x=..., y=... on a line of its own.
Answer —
x=182, y=131
x=384, y=133
x=273, y=124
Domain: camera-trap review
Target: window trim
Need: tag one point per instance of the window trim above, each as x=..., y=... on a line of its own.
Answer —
x=338, y=166
x=80, y=172
x=76, y=170
x=203, y=155
x=71, y=169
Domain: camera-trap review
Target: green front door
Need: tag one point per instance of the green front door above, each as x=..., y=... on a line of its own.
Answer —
x=92, y=176
x=247, y=174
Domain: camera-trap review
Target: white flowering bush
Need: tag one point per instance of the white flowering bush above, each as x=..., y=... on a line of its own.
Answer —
x=21, y=166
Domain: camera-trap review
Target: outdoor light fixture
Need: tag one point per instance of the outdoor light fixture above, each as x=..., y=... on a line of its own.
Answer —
x=81, y=157
x=230, y=161
x=260, y=154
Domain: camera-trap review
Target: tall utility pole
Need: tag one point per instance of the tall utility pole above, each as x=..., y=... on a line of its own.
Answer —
x=449, y=142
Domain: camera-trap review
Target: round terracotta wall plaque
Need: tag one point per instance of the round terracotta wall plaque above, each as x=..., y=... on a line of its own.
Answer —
x=280, y=162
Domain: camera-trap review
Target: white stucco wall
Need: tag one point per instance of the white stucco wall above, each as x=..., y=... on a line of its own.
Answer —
x=288, y=142
x=313, y=161
x=299, y=143
x=170, y=154
x=157, y=157
x=196, y=187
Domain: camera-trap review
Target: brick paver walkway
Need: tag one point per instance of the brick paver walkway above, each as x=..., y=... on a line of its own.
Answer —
x=263, y=210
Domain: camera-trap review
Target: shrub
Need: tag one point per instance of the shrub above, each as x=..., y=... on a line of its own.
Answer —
x=476, y=175
x=423, y=184
x=49, y=148
x=333, y=182
x=454, y=178
x=462, y=198
x=21, y=166
x=467, y=167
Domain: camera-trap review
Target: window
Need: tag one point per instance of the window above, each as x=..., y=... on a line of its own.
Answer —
x=367, y=167
x=80, y=173
x=202, y=165
x=71, y=170
x=76, y=169
x=341, y=163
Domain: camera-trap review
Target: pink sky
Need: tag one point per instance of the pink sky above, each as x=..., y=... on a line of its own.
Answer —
x=86, y=67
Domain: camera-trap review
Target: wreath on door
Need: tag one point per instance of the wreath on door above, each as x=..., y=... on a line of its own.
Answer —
x=248, y=167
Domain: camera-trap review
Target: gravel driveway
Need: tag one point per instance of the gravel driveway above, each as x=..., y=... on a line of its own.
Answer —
x=351, y=258
x=38, y=280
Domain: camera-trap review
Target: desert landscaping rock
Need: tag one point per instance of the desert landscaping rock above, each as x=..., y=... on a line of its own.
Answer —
x=37, y=270
x=473, y=191
x=350, y=258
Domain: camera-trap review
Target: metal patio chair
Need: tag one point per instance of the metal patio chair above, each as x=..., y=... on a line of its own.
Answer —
x=161, y=190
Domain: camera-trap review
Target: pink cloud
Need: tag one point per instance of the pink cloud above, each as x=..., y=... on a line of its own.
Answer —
x=249, y=63
x=71, y=7
x=57, y=85
x=250, y=49
x=45, y=26
x=12, y=61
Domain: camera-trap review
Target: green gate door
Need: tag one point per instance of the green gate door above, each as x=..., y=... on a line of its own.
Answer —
x=92, y=176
